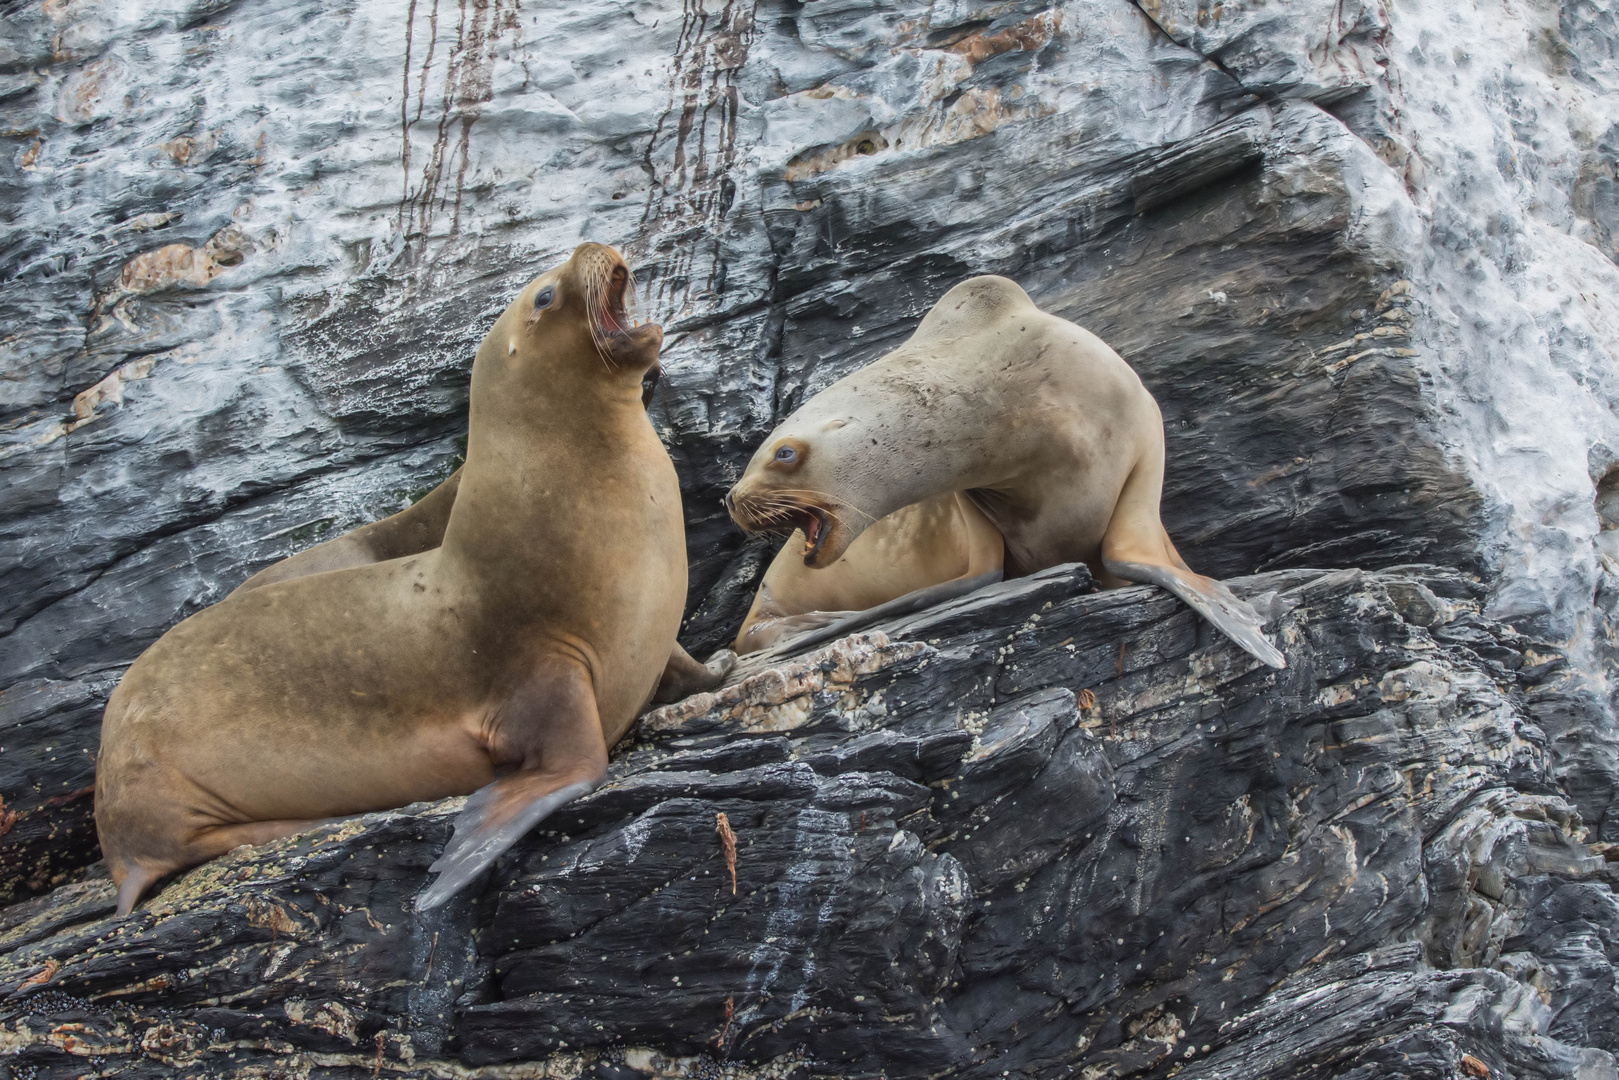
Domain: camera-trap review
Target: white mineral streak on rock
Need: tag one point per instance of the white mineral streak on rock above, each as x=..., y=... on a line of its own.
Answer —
x=779, y=698
x=1498, y=121
x=820, y=851
x=1524, y=308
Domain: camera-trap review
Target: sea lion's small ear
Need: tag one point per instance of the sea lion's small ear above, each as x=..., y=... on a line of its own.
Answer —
x=511, y=347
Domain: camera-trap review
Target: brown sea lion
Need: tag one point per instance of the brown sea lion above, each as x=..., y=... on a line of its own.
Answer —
x=1046, y=428
x=420, y=527
x=504, y=662
x=415, y=529
x=943, y=544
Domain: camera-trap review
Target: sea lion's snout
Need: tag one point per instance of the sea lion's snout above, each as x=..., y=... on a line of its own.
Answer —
x=609, y=289
x=758, y=508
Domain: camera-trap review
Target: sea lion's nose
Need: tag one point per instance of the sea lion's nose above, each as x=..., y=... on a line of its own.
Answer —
x=729, y=503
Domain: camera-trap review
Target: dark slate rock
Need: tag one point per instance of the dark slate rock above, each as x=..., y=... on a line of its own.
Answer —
x=1035, y=831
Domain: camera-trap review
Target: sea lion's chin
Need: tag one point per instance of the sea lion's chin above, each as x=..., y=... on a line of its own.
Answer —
x=825, y=540
x=635, y=348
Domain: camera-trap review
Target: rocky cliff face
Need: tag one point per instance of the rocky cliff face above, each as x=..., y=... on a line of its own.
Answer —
x=1363, y=254
x=1034, y=832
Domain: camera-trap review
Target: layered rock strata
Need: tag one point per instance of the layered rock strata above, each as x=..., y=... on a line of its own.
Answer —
x=1037, y=831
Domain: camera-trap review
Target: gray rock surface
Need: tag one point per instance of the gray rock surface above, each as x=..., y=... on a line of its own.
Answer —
x=1363, y=254
x=1035, y=831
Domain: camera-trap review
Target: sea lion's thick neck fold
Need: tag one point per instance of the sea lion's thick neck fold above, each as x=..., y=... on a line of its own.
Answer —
x=896, y=429
x=531, y=435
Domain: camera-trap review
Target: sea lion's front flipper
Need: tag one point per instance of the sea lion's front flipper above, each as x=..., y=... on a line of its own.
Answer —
x=1233, y=617
x=683, y=675
x=496, y=817
x=767, y=632
x=552, y=727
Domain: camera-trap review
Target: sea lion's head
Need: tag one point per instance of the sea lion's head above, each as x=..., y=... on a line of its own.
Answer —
x=581, y=313
x=906, y=427
x=808, y=475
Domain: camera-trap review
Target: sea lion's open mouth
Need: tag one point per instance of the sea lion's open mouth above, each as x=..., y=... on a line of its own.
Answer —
x=618, y=335
x=816, y=526
x=815, y=534
x=614, y=317
x=758, y=512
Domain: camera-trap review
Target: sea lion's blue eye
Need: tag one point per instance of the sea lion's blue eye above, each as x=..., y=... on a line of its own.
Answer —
x=786, y=453
x=543, y=298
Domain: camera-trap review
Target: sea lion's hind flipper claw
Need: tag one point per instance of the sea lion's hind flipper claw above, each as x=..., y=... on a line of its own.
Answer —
x=496, y=817
x=1233, y=617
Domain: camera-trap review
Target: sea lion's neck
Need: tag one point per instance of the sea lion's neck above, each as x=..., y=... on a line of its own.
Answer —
x=923, y=431
x=537, y=456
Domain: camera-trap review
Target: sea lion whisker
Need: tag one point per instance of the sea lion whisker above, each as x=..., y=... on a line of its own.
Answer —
x=768, y=513
x=764, y=513
x=778, y=510
x=597, y=277
x=824, y=495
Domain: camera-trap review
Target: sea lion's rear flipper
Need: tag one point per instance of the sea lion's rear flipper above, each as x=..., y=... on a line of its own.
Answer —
x=763, y=634
x=1233, y=617
x=683, y=675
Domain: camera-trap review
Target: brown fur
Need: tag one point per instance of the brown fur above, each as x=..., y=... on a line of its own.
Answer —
x=508, y=658
x=420, y=527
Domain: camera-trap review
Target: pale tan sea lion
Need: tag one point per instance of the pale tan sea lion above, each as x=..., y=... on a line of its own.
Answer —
x=504, y=662
x=943, y=543
x=1047, y=429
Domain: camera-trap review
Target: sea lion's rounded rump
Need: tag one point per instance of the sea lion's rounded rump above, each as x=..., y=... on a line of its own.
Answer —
x=339, y=685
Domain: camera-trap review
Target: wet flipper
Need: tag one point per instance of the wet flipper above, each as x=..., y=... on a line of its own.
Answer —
x=496, y=817
x=1233, y=617
x=136, y=881
x=914, y=601
x=765, y=634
